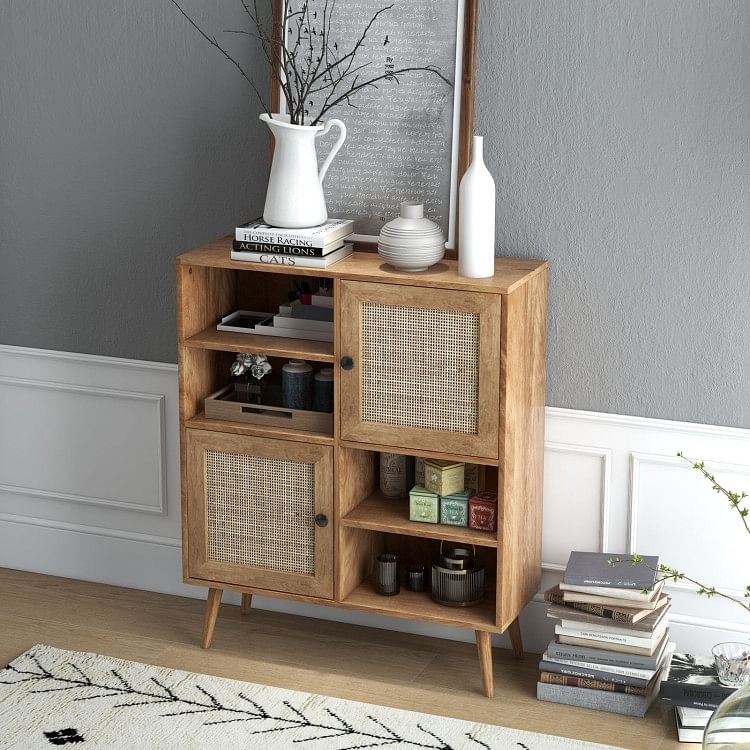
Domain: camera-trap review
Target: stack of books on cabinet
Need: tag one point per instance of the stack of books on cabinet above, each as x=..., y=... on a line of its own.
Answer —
x=611, y=647
x=694, y=689
x=312, y=247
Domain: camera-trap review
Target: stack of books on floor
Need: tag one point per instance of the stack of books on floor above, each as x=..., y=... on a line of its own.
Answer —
x=313, y=247
x=693, y=688
x=611, y=647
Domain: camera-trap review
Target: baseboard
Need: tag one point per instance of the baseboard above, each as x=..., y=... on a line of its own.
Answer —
x=612, y=483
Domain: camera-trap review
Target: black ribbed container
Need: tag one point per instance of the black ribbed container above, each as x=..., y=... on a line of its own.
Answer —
x=387, y=575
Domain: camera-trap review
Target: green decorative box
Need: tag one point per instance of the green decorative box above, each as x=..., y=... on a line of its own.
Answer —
x=454, y=509
x=443, y=477
x=424, y=506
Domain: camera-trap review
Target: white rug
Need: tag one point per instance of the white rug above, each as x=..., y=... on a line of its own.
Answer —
x=52, y=698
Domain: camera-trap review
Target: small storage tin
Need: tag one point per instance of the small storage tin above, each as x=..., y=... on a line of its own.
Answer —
x=443, y=477
x=419, y=471
x=483, y=511
x=424, y=505
x=474, y=476
x=454, y=509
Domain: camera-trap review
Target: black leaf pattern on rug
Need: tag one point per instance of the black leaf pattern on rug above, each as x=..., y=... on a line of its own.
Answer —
x=64, y=737
x=70, y=677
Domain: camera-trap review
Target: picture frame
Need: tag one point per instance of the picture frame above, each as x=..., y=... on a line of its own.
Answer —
x=455, y=132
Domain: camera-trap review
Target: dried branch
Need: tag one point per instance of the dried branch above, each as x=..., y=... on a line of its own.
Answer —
x=214, y=43
x=303, y=59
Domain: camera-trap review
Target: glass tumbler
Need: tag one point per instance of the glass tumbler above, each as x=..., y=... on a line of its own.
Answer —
x=732, y=661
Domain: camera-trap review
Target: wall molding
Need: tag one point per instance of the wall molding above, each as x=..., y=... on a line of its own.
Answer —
x=77, y=528
x=624, y=420
x=605, y=456
x=154, y=399
x=137, y=364
x=637, y=460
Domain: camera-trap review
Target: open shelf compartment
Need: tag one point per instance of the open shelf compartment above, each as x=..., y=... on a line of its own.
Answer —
x=370, y=524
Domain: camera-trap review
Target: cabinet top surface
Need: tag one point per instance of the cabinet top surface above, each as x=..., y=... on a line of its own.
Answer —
x=365, y=266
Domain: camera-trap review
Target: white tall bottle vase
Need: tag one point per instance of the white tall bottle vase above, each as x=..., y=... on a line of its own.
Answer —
x=476, y=217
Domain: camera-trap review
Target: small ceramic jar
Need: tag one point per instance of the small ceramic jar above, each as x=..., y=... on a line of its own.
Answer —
x=296, y=384
x=483, y=511
x=443, y=477
x=454, y=509
x=323, y=390
x=424, y=506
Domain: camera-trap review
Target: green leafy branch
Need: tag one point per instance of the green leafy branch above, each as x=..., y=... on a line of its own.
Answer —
x=668, y=573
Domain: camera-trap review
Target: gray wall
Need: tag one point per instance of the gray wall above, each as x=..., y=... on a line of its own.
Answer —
x=124, y=140
x=617, y=133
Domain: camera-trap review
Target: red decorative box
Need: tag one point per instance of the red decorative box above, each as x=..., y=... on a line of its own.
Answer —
x=483, y=511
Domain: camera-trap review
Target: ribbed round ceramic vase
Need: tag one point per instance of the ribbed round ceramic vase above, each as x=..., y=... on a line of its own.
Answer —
x=476, y=210
x=411, y=242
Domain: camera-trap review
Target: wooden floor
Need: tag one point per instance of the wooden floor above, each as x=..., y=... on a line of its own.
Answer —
x=365, y=664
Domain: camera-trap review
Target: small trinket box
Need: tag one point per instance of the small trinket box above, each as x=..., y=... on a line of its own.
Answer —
x=443, y=477
x=454, y=509
x=424, y=505
x=483, y=511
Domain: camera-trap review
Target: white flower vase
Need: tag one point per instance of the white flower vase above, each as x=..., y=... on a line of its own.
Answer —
x=476, y=214
x=294, y=198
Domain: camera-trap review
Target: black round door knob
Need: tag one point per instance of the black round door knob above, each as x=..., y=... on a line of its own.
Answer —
x=321, y=520
x=347, y=363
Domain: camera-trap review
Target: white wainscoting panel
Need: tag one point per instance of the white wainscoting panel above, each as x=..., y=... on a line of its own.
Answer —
x=89, y=489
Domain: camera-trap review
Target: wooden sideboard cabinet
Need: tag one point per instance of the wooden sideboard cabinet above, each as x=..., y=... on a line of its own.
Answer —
x=431, y=365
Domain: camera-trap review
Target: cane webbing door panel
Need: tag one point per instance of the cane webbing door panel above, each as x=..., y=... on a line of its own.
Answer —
x=426, y=370
x=252, y=505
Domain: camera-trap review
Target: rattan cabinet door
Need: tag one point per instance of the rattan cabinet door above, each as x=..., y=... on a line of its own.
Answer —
x=260, y=513
x=426, y=368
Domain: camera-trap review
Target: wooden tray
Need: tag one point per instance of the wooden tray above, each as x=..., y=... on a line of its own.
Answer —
x=223, y=405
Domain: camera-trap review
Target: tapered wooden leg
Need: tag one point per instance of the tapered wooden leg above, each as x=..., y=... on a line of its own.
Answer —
x=514, y=630
x=247, y=603
x=484, y=649
x=212, y=611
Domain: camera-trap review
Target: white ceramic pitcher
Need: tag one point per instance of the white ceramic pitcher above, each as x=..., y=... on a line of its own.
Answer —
x=294, y=198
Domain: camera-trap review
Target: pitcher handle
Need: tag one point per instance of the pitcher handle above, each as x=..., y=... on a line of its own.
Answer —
x=336, y=146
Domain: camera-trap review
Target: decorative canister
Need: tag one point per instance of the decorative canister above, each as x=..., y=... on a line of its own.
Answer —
x=323, y=390
x=387, y=575
x=474, y=476
x=443, y=477
x=296, y=384
x=423, y=505
x=415, y=577
x=454, y=509
x=483, y=511
x=396, y=475
x=457, y=578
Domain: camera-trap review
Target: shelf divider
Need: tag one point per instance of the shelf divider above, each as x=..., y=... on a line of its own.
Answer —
x=229, y=341
x=378, y=513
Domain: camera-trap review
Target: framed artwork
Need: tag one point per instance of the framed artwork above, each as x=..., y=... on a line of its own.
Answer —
x=407, y=139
